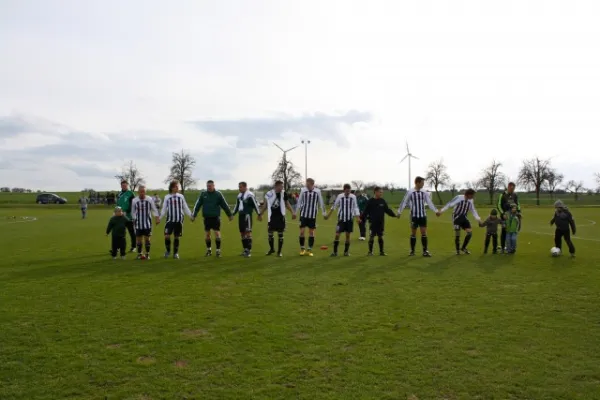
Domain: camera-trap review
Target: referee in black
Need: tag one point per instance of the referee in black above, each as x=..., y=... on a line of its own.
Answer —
x=375, y=211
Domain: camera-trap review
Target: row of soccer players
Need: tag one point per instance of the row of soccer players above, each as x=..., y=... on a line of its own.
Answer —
x=212, y=202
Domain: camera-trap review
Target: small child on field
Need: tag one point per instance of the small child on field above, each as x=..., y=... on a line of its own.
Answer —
x=513, y=227
x=118, y=226
x=491, y=223
x=565, y=224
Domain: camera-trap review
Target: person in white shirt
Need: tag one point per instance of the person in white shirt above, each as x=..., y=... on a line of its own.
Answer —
x=175, y=208
x=309, y=202
x=347, y=206
x=417, y=199
x=462, y=204
x=142, y=210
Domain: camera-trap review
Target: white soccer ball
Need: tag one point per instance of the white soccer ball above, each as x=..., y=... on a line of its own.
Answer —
x=555, y=251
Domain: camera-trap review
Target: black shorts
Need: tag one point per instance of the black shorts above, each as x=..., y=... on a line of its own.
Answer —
x=143, y=232
x=245, y=223
x=277, y=224
x=418, y=222
x=310, y=223
x=174, y=228
x=345, y=227
x=212, y=224
x=376, y=229
x=461, y=223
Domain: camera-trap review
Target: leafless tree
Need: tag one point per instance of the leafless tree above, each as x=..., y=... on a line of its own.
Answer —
x=287, y=173
x=358, y=185
x=475, y=185
x=534, y=173
x=492, y=179
x=182, y=168
x=392, y=188
x=437, y=177
x=131, y=174
x=453, y=186
x=553, y=182
x=576, y=188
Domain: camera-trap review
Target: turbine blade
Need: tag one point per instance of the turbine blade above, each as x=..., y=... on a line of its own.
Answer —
x=407, y=150
x=278, y=147
x=415, y=157
x=405, y=157
x=291, y=149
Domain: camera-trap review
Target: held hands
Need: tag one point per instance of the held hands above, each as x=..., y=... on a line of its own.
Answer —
x=259, y=217
x=438, y=213
x=157, y=220
x=230, y=218
x=294, y=216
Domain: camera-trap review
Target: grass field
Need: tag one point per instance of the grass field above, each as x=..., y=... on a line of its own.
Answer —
x=75, y=324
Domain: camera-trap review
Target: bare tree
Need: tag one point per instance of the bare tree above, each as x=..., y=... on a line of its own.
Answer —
x=131, y=174
x=453, y=186
x=576, y=188
x=358, y=185
x=437, y=176
x=392, y=188
x=287, y=173
x=182, y=168
x=534, y=173
x=553, y=182
x=475, y=185
x=492, y=179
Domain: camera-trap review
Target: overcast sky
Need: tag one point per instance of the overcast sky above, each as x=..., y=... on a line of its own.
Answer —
x=86, y=86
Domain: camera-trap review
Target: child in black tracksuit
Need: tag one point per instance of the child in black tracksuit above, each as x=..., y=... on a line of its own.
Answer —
x=117, y=226
x=491, y=223
x=565, y=224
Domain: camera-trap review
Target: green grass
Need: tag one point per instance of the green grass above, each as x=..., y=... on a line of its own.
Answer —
x=75, y=324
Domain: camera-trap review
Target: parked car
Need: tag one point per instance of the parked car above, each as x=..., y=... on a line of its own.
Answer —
x=50, y=198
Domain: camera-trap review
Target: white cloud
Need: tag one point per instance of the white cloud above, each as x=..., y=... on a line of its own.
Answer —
x=505, y=80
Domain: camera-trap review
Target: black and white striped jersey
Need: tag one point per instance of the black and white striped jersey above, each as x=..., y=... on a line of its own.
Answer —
x=142, y=211
x=175, y=208
x=461, y=207
x=309, y=202
x=416, y=201
x=347, y=207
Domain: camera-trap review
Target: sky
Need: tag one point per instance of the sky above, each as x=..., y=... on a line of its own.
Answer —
x=86, y=86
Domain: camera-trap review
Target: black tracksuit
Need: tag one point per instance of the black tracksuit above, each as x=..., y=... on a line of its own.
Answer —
x=375, y=211
x=565, y=224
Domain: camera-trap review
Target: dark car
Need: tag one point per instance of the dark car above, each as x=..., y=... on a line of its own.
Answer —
x=50, y=198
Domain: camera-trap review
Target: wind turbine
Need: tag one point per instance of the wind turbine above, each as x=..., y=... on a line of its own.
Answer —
x=409, y=156
x=284, y=151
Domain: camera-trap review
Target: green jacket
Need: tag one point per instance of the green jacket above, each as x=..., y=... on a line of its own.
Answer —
x=513, y=223
x=211, y=204
x=506, y=200
x=117, y=225
x=362, y=202
x=124, y=200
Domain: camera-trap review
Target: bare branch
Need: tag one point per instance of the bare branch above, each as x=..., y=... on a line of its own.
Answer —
x=182, y=168
x=535, y=173
x=131, y=174
x=492, y=179
x=437, y=177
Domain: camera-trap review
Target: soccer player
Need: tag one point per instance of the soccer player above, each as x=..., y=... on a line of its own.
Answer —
x=175, y=208
x=565, y=224
x=375, y=211
x=276, y=202
x=309, y=201
x=83, y=204
x=362, y=199
x=347, y=207
x=245, y=205
x=462, y=204
x=212, y=202
x=505, y=201
x=142, y=210
x=117, y=226
x=124, y=199
x=416, y=199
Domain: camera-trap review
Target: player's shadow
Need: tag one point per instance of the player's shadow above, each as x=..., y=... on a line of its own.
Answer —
x=490, y=263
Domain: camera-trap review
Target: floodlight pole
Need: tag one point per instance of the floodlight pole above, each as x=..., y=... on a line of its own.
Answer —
x=305, y=142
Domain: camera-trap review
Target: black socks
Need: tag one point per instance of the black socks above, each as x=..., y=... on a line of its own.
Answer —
x=413, y=243
x=424, y=242
x=371, y=241
x=208, y=243
x=176, y=246
x=218, y=243
x=280, y=242
x=336, y=244
x=380, y=241
x=147, y=247
x=311, y=242
x=346, y=246
x=271, y=241
x=457, y=241
x=467, y=240
x=302, y=239
x=168, y=244
x=139, y=247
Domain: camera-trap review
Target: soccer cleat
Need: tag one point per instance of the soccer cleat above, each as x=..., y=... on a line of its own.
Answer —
x=572, y=255
x=176, y=256
x=147, y=256
x=411, y=254
x=139, y=257
x=114, y=258
x=309, y=253
x=167, y=254
x=279, y=254
x=457, y=252
x=208, y=253
x=426, y=253
x=362, y=239
x=218, y=253
x=465, y=251
x=122, y=257
x=133, y=250
x=270, y=252
x=346, y=254
x=302, y=252
x=334, y=254
x=247, y=255
x=369, y=254
x=383, y=254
